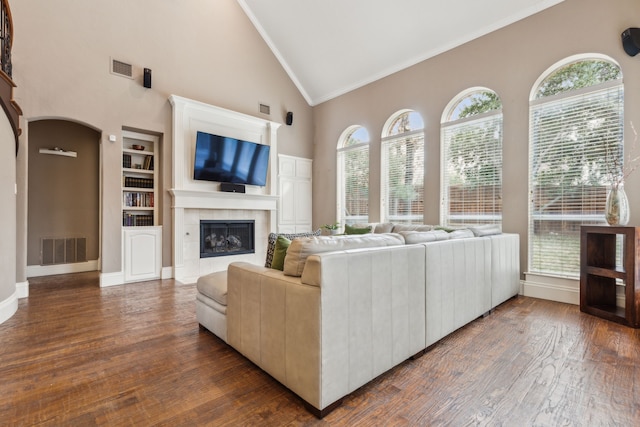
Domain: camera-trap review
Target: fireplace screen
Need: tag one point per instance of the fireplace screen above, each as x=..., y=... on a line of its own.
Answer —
x=220, y=238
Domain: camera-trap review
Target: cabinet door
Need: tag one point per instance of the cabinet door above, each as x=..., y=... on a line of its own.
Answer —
x=142, y=253
x=303, y=203
x=287, y=214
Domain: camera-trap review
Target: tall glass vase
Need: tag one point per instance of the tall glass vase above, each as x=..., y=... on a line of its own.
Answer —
x=617, y=206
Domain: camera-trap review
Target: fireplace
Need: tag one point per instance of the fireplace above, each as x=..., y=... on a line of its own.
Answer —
x=194, y=201
x=226, y=237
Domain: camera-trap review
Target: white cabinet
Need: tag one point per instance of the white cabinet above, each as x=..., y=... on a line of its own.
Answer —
x=142, y=254
x=139, y=181
x=141, y=236
x=294, y=190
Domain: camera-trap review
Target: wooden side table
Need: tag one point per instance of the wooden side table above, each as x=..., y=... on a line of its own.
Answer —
x=599, y=272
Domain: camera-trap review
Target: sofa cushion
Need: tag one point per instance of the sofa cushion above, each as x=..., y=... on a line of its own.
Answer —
x=282, y=244
x=351, y=229
x=397, y=228
x=486, y=230
x=383, y=227
x=463, y=233
x=412, y=237
x=271, y=242
x=302, y=247
x=214, y=286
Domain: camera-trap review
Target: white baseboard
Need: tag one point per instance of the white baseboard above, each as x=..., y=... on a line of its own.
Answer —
x=50, y=270
x=22, y=289
x=558, y=289
x=111, y=279
x=106, y=279
x=166, y=273
x=8, y=307
x=552, y=292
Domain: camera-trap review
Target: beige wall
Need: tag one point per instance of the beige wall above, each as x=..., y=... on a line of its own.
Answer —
x=7, y=213
x=204, y=50
x=63, y=191
x=507, y=61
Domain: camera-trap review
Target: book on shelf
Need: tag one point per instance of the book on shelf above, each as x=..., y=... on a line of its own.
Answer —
x=148, y=163
x=137, y=200
x=131, y=181
x=126, y=160
x=135, y=220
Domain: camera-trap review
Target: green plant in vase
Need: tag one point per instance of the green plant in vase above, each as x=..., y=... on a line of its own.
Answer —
x=333, y=228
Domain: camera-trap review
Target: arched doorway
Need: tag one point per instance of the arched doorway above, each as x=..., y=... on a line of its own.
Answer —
x=63, y=221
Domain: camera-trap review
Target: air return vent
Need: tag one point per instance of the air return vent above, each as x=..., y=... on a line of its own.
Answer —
x=121, y=68
x=265, y=109
x=65, y=250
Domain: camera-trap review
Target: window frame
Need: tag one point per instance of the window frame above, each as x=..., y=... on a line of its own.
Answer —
x=567, y=257
x=447, y=124
x=343, y=150
x=387, y=140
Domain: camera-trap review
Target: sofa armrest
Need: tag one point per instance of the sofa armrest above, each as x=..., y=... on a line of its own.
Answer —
x=505, y=267
x=274, y=320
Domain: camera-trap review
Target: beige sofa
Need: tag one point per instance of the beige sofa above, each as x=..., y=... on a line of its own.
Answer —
x=346, y=309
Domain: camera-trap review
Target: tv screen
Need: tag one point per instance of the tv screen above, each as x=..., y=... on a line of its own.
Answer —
x=223, y=159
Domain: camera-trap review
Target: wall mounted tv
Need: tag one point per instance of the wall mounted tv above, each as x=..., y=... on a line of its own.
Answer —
x=223, y=159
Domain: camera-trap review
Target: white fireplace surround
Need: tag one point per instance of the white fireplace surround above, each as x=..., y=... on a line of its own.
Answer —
x=193, y=200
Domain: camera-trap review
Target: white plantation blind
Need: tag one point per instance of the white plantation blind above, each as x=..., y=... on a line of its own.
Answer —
x=575, y=143
x=472, y=170
x=403, y=178
x=353, y=164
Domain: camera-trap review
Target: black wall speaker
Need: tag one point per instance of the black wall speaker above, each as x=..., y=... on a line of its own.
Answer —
x=146, y=79
x=232, y=188
x=289, y=118
x=631, y=41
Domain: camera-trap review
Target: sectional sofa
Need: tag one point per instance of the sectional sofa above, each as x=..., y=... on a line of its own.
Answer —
x=346, y=309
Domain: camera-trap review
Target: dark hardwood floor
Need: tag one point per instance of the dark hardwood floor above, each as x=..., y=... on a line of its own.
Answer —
x=78, y=355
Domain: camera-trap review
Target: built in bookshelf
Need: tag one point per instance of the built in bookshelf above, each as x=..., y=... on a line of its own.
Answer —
x=139, y=179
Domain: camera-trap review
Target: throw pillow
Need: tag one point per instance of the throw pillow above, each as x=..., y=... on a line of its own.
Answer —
x=282, y=244
x=271, y=242
x=349, y=229
x=486, y=230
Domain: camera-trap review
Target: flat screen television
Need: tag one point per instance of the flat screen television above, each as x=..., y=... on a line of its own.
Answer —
x=223, y=159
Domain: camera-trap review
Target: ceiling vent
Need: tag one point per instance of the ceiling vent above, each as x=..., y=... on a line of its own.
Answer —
x=121, y=68
x=265, y=109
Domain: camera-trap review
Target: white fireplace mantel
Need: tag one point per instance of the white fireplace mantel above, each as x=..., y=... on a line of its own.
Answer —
x=193, y=199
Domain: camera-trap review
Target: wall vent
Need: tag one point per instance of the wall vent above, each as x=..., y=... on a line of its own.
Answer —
x=64, y=250
x=265, y=109
x=121, y=68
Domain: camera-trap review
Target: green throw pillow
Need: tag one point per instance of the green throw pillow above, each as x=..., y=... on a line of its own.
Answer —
x=348, y=229
x=282, y=244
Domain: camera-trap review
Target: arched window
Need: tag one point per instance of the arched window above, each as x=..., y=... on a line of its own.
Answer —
x=472, y=159
x=403, y=169
x=576, y=147
x=353, y=176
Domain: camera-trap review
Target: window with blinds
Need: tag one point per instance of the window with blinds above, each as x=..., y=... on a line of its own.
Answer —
x=353, y=176
x=576, y=148
x=403, y=169
x=472, y=160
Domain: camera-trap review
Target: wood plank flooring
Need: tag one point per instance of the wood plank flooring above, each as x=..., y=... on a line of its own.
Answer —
x=78, y=355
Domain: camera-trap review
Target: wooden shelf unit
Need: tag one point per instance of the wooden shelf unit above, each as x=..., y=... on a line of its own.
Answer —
x=600, y=273
x=139, y=179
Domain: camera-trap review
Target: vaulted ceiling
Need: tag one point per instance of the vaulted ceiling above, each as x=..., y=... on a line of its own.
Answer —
x=330, y=47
